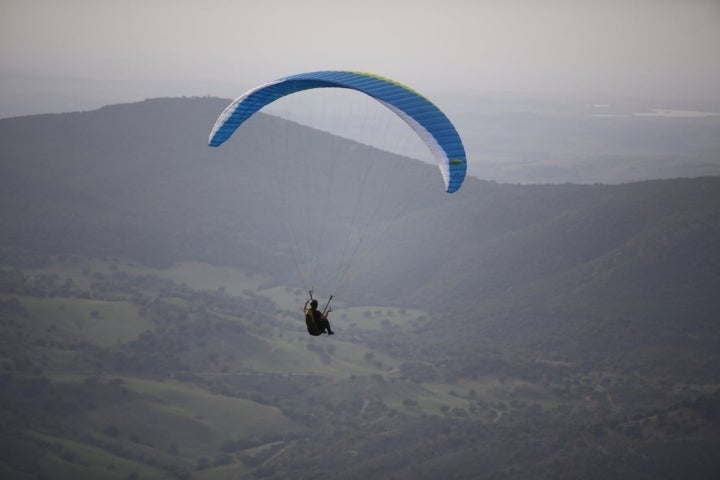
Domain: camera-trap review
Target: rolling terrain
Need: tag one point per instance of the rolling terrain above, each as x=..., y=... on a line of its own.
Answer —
x=150, y=324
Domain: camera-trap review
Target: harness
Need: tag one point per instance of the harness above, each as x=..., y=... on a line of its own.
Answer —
x=312, y=326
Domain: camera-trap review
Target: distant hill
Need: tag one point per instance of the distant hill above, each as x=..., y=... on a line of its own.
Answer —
x=139, y=180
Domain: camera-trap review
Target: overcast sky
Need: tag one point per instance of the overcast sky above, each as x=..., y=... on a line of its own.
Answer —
x=659, y=48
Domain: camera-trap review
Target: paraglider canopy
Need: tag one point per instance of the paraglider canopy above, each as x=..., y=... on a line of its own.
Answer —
x=428, y=121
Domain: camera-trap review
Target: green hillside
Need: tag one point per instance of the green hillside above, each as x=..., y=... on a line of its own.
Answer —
x=150, y=323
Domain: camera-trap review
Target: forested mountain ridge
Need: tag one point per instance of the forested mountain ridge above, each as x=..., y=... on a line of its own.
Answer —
x=149, y=317
x=139, y=180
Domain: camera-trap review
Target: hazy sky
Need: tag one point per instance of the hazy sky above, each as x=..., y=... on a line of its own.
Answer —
x=660, y=48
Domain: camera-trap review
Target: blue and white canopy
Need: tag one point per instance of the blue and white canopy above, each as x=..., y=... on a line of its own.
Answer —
x=431, y=124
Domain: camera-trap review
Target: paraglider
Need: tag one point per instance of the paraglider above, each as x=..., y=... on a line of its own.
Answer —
x=430, y=124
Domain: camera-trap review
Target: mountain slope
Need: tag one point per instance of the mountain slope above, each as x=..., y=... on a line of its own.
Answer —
x=104, y=178
x=138, y=180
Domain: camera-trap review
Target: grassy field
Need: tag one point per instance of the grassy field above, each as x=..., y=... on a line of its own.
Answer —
x=72, y=460
x=100, y=322
x=289, y=350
